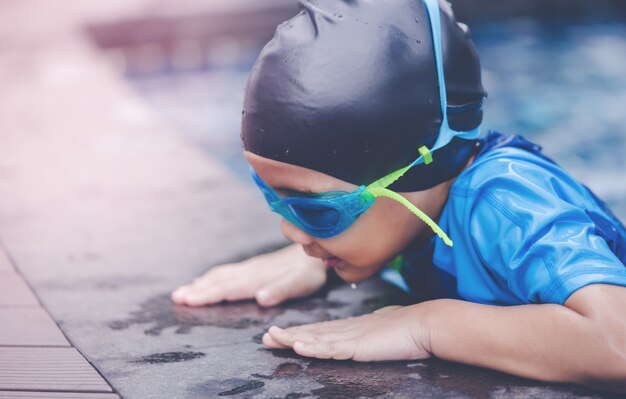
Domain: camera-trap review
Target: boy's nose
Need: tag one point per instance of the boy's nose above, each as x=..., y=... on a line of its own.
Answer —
x=293, y=233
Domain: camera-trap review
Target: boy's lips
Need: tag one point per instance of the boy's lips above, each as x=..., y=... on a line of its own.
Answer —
x=332, y=261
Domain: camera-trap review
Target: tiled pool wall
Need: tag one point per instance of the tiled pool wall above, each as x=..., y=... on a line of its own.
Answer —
x=554, y=70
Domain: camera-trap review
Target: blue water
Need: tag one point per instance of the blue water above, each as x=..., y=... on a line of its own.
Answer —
x=564, y=87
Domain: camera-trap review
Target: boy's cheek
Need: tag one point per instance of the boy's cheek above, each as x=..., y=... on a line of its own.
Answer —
x=375, y=238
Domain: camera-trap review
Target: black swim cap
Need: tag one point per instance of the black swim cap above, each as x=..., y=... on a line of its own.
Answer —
x=349, y=88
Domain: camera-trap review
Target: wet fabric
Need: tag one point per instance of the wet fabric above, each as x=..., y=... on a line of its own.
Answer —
x=524, y=231
x=350, y=88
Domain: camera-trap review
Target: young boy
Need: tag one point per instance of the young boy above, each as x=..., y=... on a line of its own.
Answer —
x=351, y=103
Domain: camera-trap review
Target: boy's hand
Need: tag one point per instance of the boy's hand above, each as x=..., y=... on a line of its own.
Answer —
x=391, y=333
x=270, y=278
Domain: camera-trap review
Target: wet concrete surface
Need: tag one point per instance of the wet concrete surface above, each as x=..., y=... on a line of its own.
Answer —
x=105, y=210
x=283, y=374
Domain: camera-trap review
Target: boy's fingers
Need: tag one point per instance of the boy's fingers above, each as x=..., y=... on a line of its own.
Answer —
x=280, y=336
x=271, y=343
x=215, y=275
x=275, y=292
x=208, y=295
x=324, y=327
x=178, y=296
x=338, y=350
x=319, y=332
x=199, y=284
x=321, y=346
x=286, y=287
x=287, y=337
x=388, y=309
x=211, y=291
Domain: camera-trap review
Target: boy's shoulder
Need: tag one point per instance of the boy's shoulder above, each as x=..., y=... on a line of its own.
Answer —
x=516, y=218
x=517, y=172
x=517, y=183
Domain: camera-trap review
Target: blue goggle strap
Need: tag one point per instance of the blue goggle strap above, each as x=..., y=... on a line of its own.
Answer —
x=446, y=134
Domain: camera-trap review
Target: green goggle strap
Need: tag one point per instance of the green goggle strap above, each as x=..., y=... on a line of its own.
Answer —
x=378, y=189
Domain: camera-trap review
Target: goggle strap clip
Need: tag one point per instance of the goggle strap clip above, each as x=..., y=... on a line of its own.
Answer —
x=425, y=152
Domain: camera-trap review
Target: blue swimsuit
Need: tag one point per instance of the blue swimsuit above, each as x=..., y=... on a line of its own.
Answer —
x=524, y=231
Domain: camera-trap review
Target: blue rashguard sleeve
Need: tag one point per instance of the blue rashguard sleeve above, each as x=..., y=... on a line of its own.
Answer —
x=541, y=246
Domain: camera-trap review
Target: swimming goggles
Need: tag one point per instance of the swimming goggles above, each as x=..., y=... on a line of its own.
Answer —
x=325, y=215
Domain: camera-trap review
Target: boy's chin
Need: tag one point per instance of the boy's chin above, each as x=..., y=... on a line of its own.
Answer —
x=353, y=274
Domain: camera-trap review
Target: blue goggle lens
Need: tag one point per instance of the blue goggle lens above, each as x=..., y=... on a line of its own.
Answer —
x=318, y=216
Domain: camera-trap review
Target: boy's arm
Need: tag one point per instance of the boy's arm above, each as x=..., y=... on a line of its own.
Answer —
x=583, y=341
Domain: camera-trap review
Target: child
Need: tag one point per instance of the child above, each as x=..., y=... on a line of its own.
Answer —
x=348, y=106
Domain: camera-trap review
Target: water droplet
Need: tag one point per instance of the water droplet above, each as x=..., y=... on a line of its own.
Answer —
x=335, y=151
x=340, y=16
x=353, y=286
x=417, y=20
x=418, y=41
x=284, y=60
x=287, y=151
x=261, y=130
x=293, y=81
x=430, y=101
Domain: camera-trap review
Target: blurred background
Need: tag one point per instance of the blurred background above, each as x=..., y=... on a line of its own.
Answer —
x=121, y=177
x=555, y=71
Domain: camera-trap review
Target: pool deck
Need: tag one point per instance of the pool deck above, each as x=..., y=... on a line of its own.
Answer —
x=36, y=360
x=104, y=209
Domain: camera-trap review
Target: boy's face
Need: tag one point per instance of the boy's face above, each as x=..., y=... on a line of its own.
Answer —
x=377, y=236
